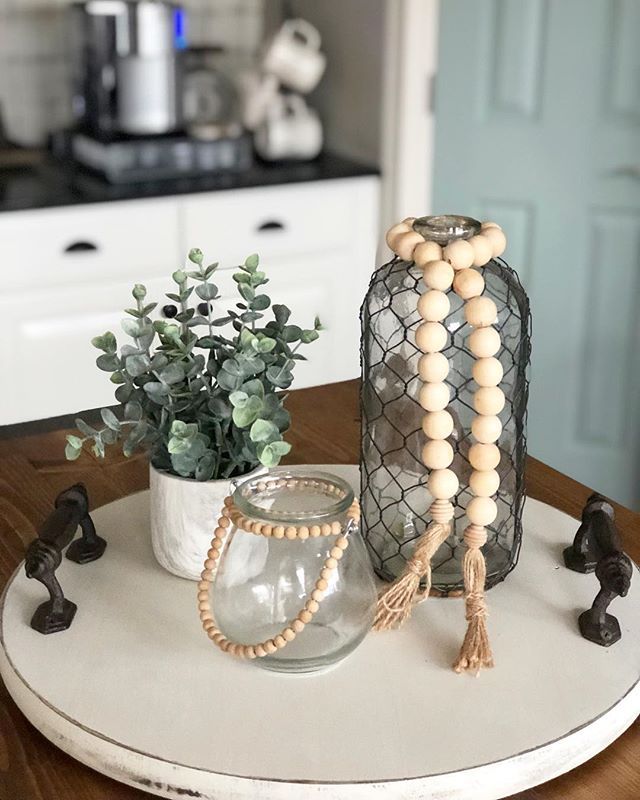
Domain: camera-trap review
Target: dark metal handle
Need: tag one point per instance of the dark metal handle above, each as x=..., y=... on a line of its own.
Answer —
x=271, y=225
x=81, y=247
x=44, y=555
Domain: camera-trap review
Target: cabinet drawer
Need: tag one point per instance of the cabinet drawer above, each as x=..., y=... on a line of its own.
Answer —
x=75, y=245
x=277, y=221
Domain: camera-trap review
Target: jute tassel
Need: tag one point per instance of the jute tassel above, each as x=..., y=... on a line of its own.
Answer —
x=395, y=603
x=475, y=652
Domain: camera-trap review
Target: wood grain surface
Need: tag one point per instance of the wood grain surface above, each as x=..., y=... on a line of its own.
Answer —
x=325, y=430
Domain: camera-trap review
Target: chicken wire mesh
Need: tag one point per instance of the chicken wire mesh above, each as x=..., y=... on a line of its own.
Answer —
x=394, y=497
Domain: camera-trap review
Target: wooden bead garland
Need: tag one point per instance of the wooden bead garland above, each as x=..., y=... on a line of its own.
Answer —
x=231, y=515
x=443, y=268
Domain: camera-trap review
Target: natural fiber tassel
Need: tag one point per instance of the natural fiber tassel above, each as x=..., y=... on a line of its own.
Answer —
x=395, y=603
x=475, y=652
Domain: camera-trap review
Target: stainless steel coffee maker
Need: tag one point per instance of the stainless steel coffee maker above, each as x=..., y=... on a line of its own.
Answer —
x=127, y=71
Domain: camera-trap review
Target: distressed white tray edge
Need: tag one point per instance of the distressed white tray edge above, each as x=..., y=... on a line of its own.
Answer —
x=169, y=780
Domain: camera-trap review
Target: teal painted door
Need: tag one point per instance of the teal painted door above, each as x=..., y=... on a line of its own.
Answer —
x=538, y=128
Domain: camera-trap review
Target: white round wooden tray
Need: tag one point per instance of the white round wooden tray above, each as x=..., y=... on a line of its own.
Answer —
x=135, y=690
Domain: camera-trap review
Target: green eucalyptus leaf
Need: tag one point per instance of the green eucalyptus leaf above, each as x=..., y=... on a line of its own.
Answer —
x=74, y=441
x=71, y=453
x=206, y=466
x=132, y=327
x=291, y=333
x=98, y=448
x=108, y=362
x=145, y=340
x=265, y=345
x=250, y=316
x=135, y=438
x=133, y=411
x=179, y=428
x=219, y=407
x=197, y=320
x=206, y=341
x=248, y=413
x=185, y=316
x=207, y=291
x=261, y=302
x=106, y=342
x=280, y=448
x=254, y=387
x=247, y=291
x=264, y=430
x=267, y=456
x=179, y=276
x=149, y=308
x=239, y=399
x=159, y=361
x=137, y=365
x=172, y=373
x=279, y=377
x=307, y=337
x=252, y=261
x=123, y=393
x=178, y=445
x=110, y=419
x=157, y=391
x=195, y=255
x=210, y=270
x=281, y=313
x=184, y=464
x=227, y=381
x=241, y=277
x=134, y=312
x=116, y=377
x=232, y=367
x=249, y=365
x=109, y=436
x=139, y=291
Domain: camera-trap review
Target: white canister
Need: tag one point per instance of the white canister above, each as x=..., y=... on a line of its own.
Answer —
x=183, y=517
x=294, y=56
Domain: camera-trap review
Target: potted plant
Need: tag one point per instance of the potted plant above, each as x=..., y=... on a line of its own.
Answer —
x=203, y=395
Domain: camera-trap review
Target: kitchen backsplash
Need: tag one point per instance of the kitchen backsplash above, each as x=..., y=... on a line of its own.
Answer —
x=35, y=59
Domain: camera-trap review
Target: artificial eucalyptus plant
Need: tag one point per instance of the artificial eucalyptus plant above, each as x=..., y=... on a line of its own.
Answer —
x=206, y=404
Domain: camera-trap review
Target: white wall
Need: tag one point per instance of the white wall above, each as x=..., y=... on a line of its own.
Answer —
x=349, y=96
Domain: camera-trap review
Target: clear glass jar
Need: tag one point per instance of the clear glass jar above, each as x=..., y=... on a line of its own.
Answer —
x=394, y=497
x=263, y=582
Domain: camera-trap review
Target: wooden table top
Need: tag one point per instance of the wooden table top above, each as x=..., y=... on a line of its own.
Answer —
x=325, y=430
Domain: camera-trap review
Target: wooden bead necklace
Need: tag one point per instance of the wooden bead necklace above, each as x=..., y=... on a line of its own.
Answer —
x=453, y=267
x=229, y=516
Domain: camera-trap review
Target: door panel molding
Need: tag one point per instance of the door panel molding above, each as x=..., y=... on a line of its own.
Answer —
x=515, y=35
x=606, y=382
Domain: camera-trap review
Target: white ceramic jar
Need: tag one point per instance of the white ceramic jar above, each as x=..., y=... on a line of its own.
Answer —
x=183, y=516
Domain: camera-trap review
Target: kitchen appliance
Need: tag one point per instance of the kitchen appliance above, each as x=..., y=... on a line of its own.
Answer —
x=127, y=70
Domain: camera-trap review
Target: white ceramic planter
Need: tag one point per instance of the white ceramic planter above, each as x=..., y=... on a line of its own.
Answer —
x=183, y=516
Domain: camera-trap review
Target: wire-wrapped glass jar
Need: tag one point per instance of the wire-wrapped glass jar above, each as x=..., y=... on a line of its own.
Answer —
x=394, y=496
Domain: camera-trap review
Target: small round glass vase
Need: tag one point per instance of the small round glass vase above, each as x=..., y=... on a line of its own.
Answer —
x=263, y=582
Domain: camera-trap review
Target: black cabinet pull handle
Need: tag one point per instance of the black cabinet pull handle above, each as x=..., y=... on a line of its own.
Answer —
x=81, y=247
x=271, y=225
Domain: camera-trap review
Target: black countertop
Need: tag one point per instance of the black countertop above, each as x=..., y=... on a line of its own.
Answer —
x=53, y=183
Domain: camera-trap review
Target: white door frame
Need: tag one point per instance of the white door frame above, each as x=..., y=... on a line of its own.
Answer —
x=411, y=57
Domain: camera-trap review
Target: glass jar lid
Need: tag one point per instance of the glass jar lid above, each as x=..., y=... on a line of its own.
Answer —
x=293, y=494
x=446, y=228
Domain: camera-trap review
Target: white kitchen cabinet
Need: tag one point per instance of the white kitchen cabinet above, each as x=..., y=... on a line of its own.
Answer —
x=316, y=241
x=68, y=247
